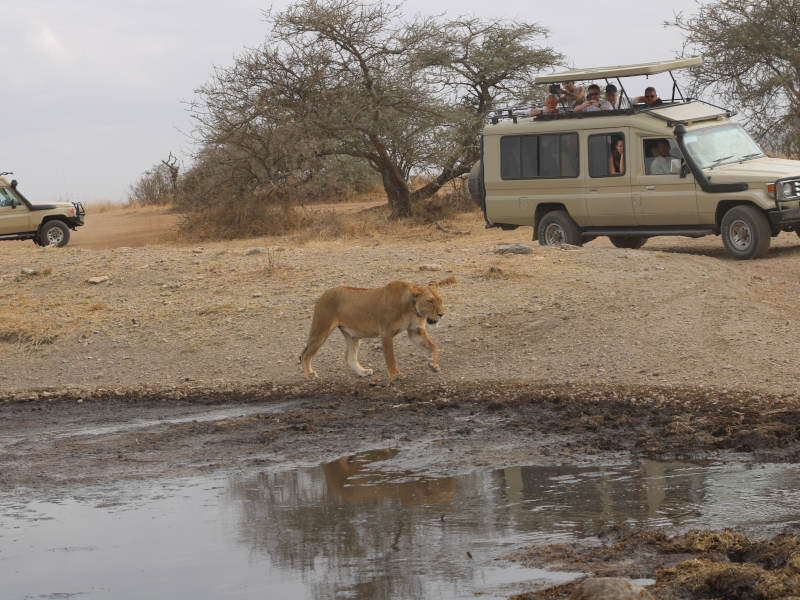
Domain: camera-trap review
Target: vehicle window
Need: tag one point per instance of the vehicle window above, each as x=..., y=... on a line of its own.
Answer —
x=720, y=145
x=658, y=156
x=6, y=197
x=539, y=156
x=607, y=155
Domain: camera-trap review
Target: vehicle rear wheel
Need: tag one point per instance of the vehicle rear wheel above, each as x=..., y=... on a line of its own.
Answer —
x=557, y=227
x=627, y=241
x=54, y=233
x=745, y=232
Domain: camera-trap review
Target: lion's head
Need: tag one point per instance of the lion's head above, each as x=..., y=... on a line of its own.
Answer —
x=427, y=302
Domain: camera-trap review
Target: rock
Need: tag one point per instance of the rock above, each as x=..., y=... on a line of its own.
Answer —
x=198, y=250
x=609, y=588
x=251, y=251
x=96, y=280
x=512, y=249
x=430, y=267
x=28, y=271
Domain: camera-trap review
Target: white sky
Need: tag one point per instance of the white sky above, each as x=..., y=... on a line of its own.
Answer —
x=94, y=91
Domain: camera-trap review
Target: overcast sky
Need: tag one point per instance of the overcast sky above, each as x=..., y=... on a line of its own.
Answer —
x=94, y=92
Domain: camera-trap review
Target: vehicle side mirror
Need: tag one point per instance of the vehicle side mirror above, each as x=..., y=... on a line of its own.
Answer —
x=675, y=166
x=684, y=170
x=14, y=203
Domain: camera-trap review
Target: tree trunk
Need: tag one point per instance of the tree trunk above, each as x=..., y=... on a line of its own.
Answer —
x=397, y=194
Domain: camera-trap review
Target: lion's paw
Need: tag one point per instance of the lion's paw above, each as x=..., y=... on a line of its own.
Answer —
x=434, y=367
x=366, y=372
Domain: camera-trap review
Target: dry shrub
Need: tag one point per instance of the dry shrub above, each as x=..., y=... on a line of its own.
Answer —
x=97, y=306
x=245, y=218
x=453, y=199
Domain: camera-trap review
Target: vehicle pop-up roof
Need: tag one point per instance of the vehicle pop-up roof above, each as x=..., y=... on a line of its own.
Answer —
x=620, y=71
x=616, y=72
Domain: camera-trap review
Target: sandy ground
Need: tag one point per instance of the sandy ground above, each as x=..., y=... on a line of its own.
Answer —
x=557, y=356
x=677, y=312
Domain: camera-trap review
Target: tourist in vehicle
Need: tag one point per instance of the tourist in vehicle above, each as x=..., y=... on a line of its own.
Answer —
x=550, y=103
x=571, y=94
x=614, y=99
x=650, y=97
x=593, y=101
x=661, y=163
x=616, y=158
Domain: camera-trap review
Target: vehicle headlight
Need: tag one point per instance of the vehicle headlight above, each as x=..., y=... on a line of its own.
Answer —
x=787, y=190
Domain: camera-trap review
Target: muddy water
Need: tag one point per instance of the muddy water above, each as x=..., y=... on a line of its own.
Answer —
x=359, y=527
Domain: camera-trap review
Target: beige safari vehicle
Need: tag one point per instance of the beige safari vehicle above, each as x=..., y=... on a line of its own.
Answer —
x=45, y=224
x=687, y=169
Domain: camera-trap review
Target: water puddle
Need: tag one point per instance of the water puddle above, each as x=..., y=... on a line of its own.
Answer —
x=360, y=527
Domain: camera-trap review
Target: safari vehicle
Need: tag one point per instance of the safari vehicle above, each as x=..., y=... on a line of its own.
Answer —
x=688, y=170
x=45, y=224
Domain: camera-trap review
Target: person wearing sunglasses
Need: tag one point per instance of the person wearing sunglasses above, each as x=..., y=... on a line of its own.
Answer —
x=593, y=101
x=650, y=98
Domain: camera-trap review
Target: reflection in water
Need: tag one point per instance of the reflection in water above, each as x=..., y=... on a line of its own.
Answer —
x=359, y=527
x=375, y=531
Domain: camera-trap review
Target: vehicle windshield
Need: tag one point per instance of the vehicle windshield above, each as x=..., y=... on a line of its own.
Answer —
x=720, y=145
x=8, y=197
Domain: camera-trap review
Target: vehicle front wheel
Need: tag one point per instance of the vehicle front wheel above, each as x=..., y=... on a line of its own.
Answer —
x=557, y=227
x=54, y=233
x=627, y=241
x=745, y=232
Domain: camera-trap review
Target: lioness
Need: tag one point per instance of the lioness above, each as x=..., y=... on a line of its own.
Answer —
x=380, y=312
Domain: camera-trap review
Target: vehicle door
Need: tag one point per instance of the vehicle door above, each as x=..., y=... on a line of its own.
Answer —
x=661, y=196
x=14, y=215
x=608, y=199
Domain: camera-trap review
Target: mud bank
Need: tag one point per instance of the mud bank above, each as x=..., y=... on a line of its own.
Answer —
x=107, y=435
x=694, y=565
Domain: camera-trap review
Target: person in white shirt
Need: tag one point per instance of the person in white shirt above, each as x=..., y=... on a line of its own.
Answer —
x=593, y=101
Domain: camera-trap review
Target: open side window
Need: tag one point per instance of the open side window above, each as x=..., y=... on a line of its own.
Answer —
x=607, y=155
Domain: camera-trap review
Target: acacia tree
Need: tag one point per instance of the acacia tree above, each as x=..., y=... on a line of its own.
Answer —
x=341, y=77
x=751, y=60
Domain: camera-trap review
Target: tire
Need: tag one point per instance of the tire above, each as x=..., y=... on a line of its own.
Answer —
x=557, y=227
x=627, y=241
x=54, y=233
x=745, y=232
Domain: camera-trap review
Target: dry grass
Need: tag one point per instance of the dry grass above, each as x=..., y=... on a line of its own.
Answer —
x=105, y=207
x=30, y=322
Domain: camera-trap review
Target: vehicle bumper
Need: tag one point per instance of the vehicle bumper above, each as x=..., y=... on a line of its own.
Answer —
x=76, y=222
x=782, y=218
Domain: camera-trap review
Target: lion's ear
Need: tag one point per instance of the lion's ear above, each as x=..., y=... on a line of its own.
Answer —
x=434, y=286
x=416, y=290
